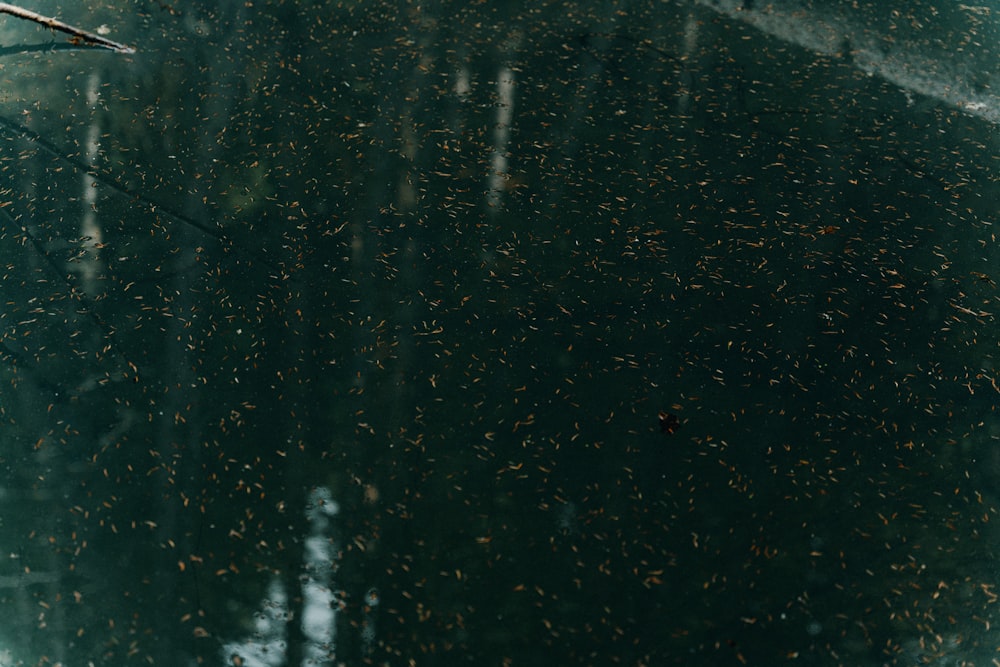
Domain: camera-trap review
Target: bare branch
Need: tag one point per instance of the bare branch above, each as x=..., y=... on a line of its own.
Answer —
x=54, y=24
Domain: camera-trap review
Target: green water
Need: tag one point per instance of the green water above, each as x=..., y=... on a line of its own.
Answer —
x=444, y=266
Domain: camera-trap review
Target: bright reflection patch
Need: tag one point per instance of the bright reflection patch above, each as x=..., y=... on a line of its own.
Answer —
x=267, y=647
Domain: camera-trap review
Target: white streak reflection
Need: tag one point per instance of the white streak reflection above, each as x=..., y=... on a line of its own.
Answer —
x=501, y=137
x=267, y=646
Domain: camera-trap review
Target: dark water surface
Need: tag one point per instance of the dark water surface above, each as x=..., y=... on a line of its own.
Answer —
x=339, y=333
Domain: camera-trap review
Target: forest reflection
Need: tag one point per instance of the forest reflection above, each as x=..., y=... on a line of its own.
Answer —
x=346, y=334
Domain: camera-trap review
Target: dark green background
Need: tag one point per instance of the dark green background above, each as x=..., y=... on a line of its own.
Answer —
x=307, y=280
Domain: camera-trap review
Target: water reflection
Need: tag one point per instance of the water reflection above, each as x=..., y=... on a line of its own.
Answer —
x=268, y=643
x=362, y=353
x=939, y=53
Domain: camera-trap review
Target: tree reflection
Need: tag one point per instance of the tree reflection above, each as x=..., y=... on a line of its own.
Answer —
x=497, y=334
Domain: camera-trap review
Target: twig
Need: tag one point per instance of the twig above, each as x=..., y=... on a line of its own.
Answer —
x=54, y=24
